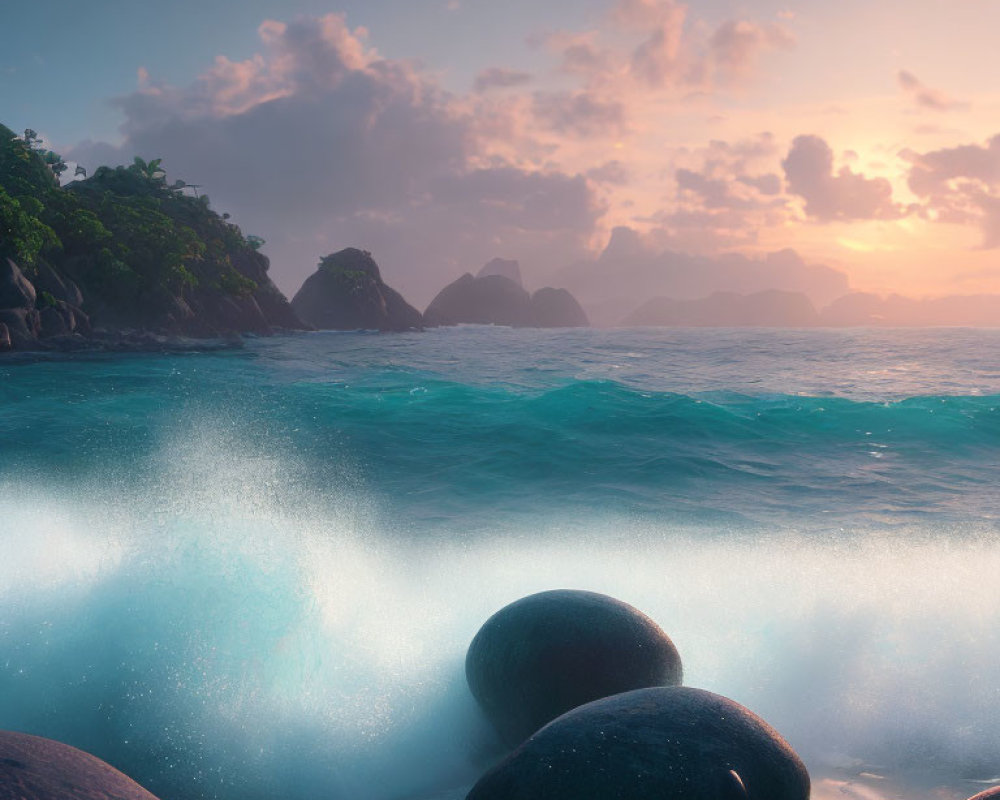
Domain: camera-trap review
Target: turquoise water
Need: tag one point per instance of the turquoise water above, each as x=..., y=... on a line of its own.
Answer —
x=254, y=573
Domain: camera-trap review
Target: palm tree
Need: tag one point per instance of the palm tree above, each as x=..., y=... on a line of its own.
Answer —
x=150, y=171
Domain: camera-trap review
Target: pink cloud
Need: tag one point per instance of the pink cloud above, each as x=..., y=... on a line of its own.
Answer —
x=317, y=143
x=657, y=61
x=613, y=173
x=926, y=97
x=737, y=44
x=500, y=78
x=960, y=185
x=844, y=195
x=644, y=14
x=580, y=113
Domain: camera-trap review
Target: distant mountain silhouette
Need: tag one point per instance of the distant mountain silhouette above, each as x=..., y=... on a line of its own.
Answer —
x=770, y=308
x=628, y=272
x=862, y=308
x=496, y=297
x=774, y=308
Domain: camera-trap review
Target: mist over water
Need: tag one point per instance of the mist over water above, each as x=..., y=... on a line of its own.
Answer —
x=255, y=574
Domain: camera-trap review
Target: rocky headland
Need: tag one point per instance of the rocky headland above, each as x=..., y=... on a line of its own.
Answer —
x=121, y=259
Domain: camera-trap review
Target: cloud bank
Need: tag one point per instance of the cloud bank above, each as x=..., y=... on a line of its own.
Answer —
x=317, y=143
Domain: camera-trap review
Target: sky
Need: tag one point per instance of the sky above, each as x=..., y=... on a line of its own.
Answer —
x=442, y=133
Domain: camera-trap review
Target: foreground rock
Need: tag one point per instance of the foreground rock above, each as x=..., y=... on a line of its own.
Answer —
x=347, y=293
x=496, y=297
x=989, y=794
x=550, y=652
x=32, y=768
x=652, y=744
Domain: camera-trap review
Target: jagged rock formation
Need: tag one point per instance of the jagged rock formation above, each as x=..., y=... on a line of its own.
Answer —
x=496, y=297
x=347, y=293
x=499, y=266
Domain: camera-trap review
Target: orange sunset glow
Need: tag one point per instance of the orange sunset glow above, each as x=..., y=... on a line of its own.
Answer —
x=859, y=137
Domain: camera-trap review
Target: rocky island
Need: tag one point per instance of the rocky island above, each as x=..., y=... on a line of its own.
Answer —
x=496, y=296
x=121, y=257
x=347, y=293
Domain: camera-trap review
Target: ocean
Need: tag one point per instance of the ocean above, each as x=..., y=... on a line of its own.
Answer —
x=254, y=573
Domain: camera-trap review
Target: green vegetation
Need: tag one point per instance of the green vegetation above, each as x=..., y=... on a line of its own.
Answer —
x=136, y=246
x=353, y=269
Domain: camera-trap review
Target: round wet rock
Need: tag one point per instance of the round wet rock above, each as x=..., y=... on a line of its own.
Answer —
x=548, y=653
x=672, y=743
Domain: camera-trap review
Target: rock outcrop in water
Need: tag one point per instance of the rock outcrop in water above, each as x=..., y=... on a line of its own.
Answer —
x=33, y=768
x=489, y=300
x=119, y=253
x=550, y=652
x=672, y=743
x=347, y=293
x=496, y=297
x=557, y=308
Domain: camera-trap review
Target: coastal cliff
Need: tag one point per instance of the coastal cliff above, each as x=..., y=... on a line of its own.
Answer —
x=121, y=254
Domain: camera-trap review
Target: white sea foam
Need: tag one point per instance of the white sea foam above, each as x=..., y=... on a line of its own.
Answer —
x=219, y=631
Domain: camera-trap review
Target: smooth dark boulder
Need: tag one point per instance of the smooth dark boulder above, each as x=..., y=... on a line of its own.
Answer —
x=508, y=268
x=33, y=768
x=989, y=794
x=557, y=308
x=5, y=342
x=550, y=652
x=16, y=291
x=674, y=743
x=347, y=293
